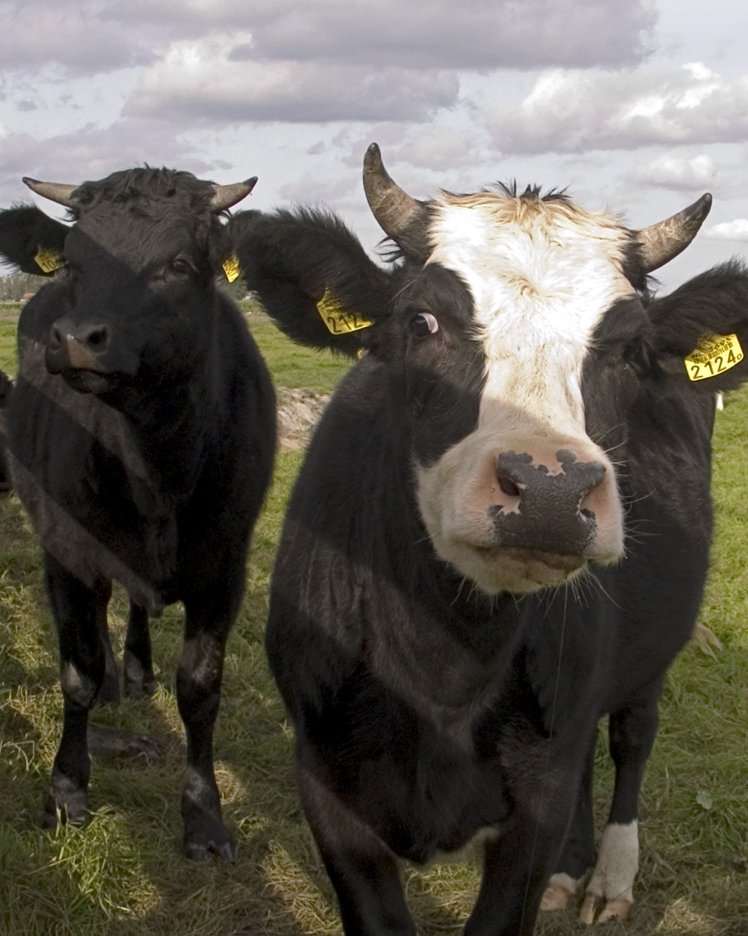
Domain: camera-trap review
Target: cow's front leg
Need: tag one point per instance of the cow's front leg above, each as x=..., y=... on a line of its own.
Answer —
x=198, y=698
x=516, y=868
x=363, y=871
x=82, y=662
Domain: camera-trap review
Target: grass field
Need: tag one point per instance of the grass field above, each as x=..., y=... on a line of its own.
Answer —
x=124, y=875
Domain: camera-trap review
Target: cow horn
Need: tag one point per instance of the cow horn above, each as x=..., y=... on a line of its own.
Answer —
x=401, y=217
x=659, y=243
x=54, y=191
x=225, y=196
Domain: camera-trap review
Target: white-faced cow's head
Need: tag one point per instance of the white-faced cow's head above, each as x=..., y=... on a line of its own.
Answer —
x=506, y=302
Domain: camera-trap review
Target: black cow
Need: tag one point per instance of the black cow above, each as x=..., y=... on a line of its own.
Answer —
x=6, y=388
x=501, y=533
x=142, y=433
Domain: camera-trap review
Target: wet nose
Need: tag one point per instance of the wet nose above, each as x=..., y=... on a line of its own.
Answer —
x=546, y=507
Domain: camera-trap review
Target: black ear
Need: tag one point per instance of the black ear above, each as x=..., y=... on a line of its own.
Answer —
x=32, y=241
x=700, y=331
x=314, y=278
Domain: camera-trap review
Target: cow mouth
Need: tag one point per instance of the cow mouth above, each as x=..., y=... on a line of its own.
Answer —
x=87, y=381
x=519, y=571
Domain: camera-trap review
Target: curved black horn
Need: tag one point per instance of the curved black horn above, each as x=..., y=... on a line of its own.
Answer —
x=55, y=191
x=401, y=217
x=660, y=242
x=225, y=196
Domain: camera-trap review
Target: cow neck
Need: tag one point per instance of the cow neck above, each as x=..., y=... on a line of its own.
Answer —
x=168, y=432
x=453, y=643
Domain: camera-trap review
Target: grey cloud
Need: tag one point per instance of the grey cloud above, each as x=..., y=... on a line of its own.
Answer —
x=92, y=153
x=475, y=35
x=291, y=92
x=73, y=40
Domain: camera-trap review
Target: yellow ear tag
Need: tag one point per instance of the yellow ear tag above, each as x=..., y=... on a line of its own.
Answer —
x=49, y=259
x=713, y=355
x=231, y=268
x=338, y=321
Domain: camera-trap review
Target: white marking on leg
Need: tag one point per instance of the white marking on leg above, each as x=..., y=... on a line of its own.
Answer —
x=611, y=886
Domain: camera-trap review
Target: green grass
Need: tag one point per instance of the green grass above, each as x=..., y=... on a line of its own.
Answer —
x=124, y=876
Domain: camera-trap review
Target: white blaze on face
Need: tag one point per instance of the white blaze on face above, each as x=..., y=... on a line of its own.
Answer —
x=541, y=274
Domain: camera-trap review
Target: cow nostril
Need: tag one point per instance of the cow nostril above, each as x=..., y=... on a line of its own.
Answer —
x=508, y=486
x=98, y=338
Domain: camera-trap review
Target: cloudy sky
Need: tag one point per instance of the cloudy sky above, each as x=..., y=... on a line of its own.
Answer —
x=639, y=106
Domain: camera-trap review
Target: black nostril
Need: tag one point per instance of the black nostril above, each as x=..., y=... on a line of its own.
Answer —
x=97, y=338
x=508, y=486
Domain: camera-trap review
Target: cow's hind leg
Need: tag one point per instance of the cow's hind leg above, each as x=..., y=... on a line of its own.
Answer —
x=198, y=697
x=139, y=678
x=109, y=691
x=82, y=664
x=609, y=894
x=363, y=871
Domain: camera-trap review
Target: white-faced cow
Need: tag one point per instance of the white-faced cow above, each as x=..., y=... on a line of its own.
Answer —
x=141, y=440
x=501, y=533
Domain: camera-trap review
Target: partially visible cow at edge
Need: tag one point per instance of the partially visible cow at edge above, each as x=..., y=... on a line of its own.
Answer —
x=141, y=441
x=501, y=532
x=6, y=388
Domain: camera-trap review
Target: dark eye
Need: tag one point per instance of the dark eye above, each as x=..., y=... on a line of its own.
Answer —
x=180, y=266
x=422, y=324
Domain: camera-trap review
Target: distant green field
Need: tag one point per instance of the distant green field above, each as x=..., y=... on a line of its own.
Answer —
x=124, y=875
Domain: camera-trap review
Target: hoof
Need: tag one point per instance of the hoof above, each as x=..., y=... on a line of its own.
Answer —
x=72, y=809
x=707, y=641
x=556, y=897
x=596, y=909
x=105, y=742
x=140, y=689
x=198, y=851
x=561, y=893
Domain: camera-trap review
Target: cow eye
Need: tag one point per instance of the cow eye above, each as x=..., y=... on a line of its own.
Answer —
x=180, y=266
x=423, y=324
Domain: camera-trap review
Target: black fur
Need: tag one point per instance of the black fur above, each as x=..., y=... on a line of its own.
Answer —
x=143, y=456
x=425, y=710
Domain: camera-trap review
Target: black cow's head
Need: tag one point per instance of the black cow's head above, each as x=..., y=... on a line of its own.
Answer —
x=495, y=329
x=139, y=258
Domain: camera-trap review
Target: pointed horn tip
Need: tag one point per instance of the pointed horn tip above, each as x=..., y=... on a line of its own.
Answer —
x=250, y=183
x=705, y=203
x=373, y=156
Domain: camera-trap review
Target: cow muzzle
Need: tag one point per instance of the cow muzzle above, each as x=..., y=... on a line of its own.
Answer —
x=78, y=351
x=522, y=518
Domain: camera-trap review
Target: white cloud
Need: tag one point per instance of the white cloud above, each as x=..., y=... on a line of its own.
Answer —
x=678, y=172
x=573, y=111
x=736, y=230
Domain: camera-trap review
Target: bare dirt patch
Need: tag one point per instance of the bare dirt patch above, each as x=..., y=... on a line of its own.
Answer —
x=298, y=412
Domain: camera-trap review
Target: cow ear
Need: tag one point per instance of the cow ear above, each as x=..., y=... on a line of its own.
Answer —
x=314, y=278
x=700, y=331
x=32, y=241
